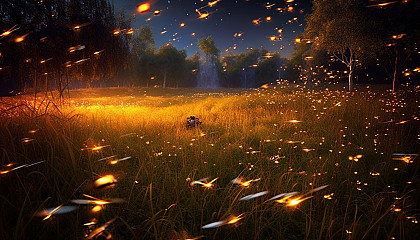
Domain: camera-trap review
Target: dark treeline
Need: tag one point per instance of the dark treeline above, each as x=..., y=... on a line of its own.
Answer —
x=62, y=44
x=53, y=44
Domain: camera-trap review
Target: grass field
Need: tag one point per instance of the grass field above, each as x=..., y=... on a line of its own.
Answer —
x=334, y=148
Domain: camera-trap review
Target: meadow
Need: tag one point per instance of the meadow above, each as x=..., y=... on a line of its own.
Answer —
x=346, y=164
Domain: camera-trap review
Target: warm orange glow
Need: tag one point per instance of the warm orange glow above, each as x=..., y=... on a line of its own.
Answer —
x=130, y=31
x=268, y=19
x=297, y=40
x=6, y=33
x=19, y=39
x=290, y=9
x=116, y=32
x=273, y=38
x=97, y=208
x=144, y=7
x=105, y=181
x=256, y=21
x=203, y=14
x=233, y=219
x=211, y=4
x=156, y=12
x=182, y=25
x=295, y=201
x=294, y=121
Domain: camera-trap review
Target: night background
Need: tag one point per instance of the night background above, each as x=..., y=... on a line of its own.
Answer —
x=224, y=119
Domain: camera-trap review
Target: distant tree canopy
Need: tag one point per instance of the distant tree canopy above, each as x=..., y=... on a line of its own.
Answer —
x=61, y=40
x=251, y=69
x=172, y=64
x=208, y=47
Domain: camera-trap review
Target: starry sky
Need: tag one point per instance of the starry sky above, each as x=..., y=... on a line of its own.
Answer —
x=231, y=23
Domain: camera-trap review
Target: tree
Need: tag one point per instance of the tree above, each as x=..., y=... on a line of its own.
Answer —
x=344, y=29
x=208, y=47
x=400, y=38
x=143, y=46
x=171, y=63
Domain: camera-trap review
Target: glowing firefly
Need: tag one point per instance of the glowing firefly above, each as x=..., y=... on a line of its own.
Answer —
x=240, y=181
x=211, y=4
x=105, y=181
x=204, y=182
x=8, y=32
x=203, y=14
x=21, y=38
x=144, y=7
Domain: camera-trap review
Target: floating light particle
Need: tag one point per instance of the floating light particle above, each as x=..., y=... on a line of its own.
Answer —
x=105, y=181
x=144, y=7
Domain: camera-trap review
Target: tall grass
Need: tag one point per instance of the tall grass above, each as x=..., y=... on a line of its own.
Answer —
x=243, y=133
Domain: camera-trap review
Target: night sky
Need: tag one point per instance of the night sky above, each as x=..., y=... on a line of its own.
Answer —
x=227, y=18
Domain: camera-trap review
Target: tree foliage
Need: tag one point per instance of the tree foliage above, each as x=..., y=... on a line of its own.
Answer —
x=208, y=46
x=345, y=30
x=172, y=64
x=57, y=41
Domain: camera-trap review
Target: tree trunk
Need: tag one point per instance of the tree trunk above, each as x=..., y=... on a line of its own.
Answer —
x=35, y=87
x=164, y=80
x=394, y=79
x=350, y=77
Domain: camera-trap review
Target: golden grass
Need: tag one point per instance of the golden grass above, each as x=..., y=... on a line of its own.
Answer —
x=248, y=134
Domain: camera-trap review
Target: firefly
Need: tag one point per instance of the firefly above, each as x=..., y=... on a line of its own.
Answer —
x=105, y=181
x=204, y=183
x=294, y=121
x=182, y=25
x=156, y=12
x=20, y=39
x=8, y=32
x=234, y=219
x=203, y=14
x=240, y=181
x=382, y=4
x=270, y=6
x=57, y=210
x=144, y=7
x=130, y=31
x=100, y=232
x=95, y=148
x=268, y=19
x=211, y=4
x=256, y=21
